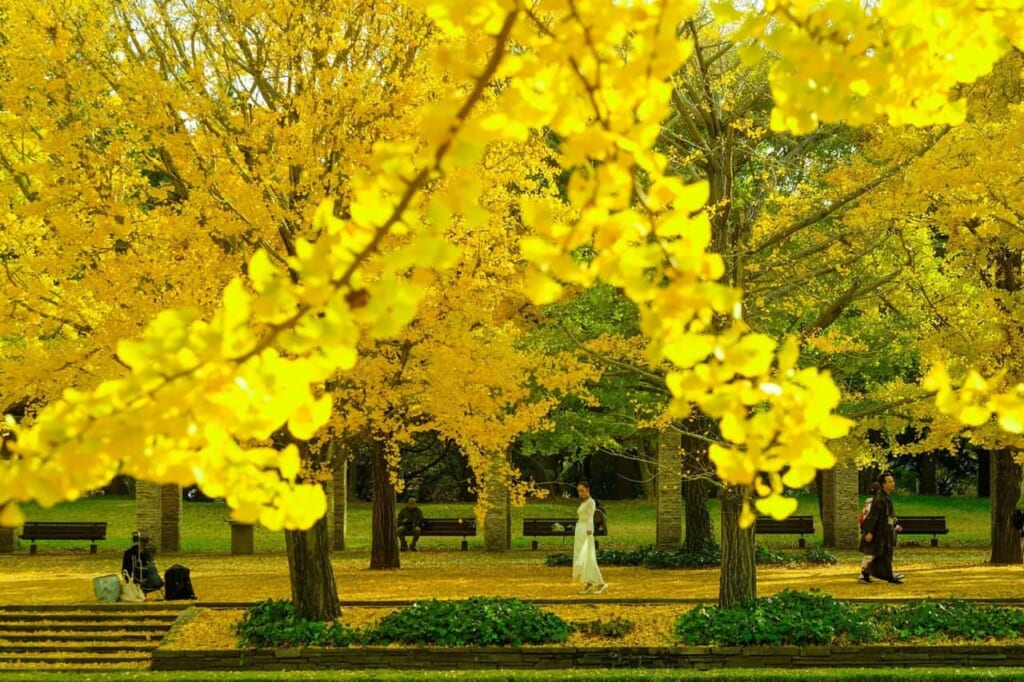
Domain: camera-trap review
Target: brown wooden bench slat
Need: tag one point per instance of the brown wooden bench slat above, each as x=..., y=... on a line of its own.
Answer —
x=794, y=525
x=923, y=525
x=64, y=530
x=450, y=528
x=545, y=527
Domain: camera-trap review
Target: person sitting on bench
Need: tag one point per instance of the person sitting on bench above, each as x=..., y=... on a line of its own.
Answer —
x=410, y=522
x=138, y=564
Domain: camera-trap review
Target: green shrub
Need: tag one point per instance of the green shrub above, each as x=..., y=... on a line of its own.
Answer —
x=763, y=555
x=954, y=618
x=615, y=628
x=274, y=623
x=649, y=556
x=789, y=617
x=473, y=621
x=819, y=555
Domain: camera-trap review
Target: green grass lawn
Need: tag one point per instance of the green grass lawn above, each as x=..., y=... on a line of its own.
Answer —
x=867, y=675
x=631, y=523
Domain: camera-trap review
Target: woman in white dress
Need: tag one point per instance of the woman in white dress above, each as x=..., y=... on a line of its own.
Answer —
x=584, y=553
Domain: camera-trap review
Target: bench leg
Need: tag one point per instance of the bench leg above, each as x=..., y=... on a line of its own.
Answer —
x=32, y=548
x=465, y=545
x=533, y=545
x=935, y=542
x=802, y=543
x=92, y=548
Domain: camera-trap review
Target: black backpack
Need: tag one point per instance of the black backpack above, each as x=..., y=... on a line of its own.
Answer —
x=178, y=583
x=1018, y=519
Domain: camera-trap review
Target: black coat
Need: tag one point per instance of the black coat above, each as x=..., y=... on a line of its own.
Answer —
x=877, y=522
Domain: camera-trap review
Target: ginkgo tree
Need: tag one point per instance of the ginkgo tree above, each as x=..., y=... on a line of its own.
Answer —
x=203, y=394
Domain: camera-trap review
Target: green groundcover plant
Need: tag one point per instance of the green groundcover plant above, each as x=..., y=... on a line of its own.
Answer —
x=479, y=621
x=793, y=617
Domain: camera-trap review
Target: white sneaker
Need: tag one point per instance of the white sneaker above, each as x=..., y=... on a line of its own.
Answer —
x=587, y=589
x=601, y=588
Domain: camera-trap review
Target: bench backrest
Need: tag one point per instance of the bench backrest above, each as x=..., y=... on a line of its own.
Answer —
x=65, y=530
x=923, y=524
x=450, y=526
x=793, y=524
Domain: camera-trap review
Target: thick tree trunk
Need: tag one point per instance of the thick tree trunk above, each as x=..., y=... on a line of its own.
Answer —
x=1006, y=475
x=928, y=483
x=314, y=590
x=984, y=473
x=700, y=530
x=697, y=471
x=384, y=538
x=738, y=579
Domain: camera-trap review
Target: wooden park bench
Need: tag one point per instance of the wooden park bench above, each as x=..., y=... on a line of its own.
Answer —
x=450, y=528
x=794, y=525
x=64, y=530
x=535, y=528
x=923, y=525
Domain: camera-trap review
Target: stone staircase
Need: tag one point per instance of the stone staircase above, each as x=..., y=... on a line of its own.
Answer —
x=86, y=638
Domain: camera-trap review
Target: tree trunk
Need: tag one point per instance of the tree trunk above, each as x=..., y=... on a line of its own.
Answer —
x=697, y=471
x=984, y=473
x=700, y=530
x=340, y=511
x=384, y=541
x=648, y=473
x=1006, y=475
x=928, y=484
x=314, y=590
x=738, y=578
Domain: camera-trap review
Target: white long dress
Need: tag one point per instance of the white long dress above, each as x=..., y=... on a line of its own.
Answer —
x=584, y=553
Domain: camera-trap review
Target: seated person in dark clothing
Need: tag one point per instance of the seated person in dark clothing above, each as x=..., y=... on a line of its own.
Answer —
x=138, y=565
x=410, y=522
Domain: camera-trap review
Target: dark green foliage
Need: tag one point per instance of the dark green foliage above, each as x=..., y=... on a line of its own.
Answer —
x=649, y=556
x=615, y=628
x=766, y=556
x=478, y=620
x=274, y=623
x=789, y=617
x=954, y=618
x=793, y=617
x=819, y=555
x=475, y=621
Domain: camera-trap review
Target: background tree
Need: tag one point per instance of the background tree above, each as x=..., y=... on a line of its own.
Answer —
x=200, y=388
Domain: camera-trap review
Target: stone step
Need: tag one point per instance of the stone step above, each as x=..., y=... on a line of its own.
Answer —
x=78, y=668
x=131, y=607
x=82, y=648
x=34, y=636
x=76, y=657
x=131, y=626
x=69, y=617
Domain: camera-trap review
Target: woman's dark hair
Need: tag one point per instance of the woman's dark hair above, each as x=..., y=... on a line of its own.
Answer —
x=875, y=487
x=584, y=482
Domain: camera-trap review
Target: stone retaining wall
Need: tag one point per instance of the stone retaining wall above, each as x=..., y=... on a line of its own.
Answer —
x=700, y=658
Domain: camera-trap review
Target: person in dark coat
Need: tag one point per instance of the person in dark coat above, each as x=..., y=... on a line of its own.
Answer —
x=410, y=522
x=138, y=564
x=131, y=562
x=879, y=533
